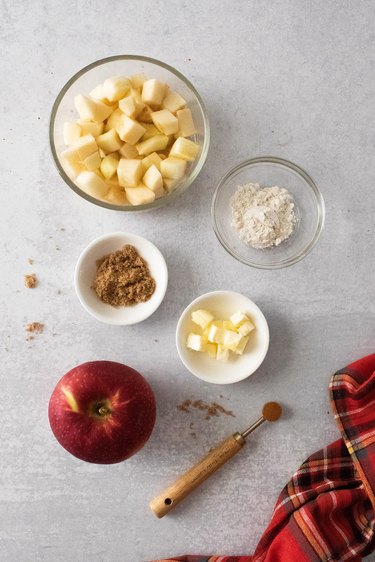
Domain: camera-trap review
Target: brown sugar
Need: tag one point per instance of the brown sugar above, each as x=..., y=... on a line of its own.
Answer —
x=31, y=281
x=123, y=278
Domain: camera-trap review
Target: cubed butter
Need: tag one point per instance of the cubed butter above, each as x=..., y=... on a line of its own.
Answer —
x=241, y=346
x=232, y=340
x=237, y=318
x=202, y=318
x=195, y=342
x=245, y=328
x=222, y=353
x=216, y=334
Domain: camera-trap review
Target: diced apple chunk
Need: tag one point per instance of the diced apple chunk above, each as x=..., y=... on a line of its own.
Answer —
x=91, y=128
x=153, y=92
x=140, y=195
x=93, y=161
x=71, y=133
x=130, y=131
x=145, y=115
x=109, y=141
x=173, y=101
x=129, y=172
x=137, y=80
x=116, y=88
x=117, y=196
x=186, y=126
x=185, y=149
x=128, y=151
x=151, y=131
x=173, y=168
x=130, y=106
x=171, y=184
x=154, y=181
x=91, y=110
x=85, y=146
x=165, y=121
x=98, y=94
x=71, y=162
x=152, y=159
x=108, y=167
x=92, y=184
x=114, y=119
x=158, y=142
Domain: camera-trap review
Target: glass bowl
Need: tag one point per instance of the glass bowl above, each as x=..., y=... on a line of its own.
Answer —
x=86, y=79
x=309, y=210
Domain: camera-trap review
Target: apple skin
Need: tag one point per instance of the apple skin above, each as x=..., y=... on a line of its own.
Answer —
x=102, y=412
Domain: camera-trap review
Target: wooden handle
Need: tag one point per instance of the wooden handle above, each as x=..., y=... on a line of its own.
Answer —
x=176, y=492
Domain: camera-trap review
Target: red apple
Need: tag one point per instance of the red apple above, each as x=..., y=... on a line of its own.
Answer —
x=102, y=412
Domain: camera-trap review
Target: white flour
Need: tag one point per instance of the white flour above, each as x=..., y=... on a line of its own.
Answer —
x=262, y=216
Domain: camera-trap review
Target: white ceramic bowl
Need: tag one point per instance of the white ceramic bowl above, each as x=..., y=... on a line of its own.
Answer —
x=223, y=304
x=86, y=269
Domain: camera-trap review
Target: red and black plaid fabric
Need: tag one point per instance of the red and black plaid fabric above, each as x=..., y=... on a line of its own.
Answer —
x=326, y=512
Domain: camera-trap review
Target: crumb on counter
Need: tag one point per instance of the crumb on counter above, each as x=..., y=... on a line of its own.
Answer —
x=31, y=281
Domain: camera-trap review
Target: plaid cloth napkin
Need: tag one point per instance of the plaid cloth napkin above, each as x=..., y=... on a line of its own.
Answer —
x=326, y=511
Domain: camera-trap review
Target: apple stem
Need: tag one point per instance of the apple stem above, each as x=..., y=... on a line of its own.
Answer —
x=103, y=411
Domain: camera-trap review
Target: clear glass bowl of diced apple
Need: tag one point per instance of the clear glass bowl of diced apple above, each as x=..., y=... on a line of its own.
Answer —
x=129, y=133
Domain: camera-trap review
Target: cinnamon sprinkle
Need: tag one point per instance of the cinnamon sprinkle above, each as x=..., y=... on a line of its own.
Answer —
x=212, y=409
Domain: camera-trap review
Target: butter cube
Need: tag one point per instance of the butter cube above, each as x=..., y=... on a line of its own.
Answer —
x=227, y=324
x=140, y=195
x=93, y=161
x=186, y=126
x=232, y=340
x=85, y=146
x=71, y=133
x=211, y=349
x=222, y=353
x=173, y=101
x=109, y=141
x=130, y=131
x=195, y=342
x=129, y=172
x=238, y=318
x=241, y=346
x=216, y=334
x=202, y=318
x=165, y=121
x=245, y=328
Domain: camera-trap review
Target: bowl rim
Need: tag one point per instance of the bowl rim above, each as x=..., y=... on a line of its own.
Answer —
x=196, y=301
x=161, y=201
x=81, y=259
x=307, y=180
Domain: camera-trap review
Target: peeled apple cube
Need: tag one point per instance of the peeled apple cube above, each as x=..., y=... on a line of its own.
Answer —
x=153, y=93
x=151, y=131
x=158, y=142
x=185, y=149
x=137, y=80
x=93, y=161
x=71, y=162
x=130, y=106
x=202, y=318
x=113, y=120
x=109, y=141
x=108, y=167
x=152, y=159
x=170, y=184
x=85, y=146
x=71, y=133
x=130, y=131
x=195, y=342
x=173, y=168
x=165, y=121
x=92, y=184
x=129, y=173
x=145, y=115
x=98, y=94
x=154, y=181
x=116, y=88
x=117, y=196
x=91, y=128
x=91, y=110
x=186, y=126
x=173, y=101
x=128, y=151
x=246, y=328
x=140, y=195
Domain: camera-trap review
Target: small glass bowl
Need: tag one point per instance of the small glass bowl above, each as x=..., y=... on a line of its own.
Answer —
x=124, y=65
x=309, y=209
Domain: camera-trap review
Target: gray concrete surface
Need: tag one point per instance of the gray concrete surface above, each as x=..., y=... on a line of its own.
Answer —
x=290, y=78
